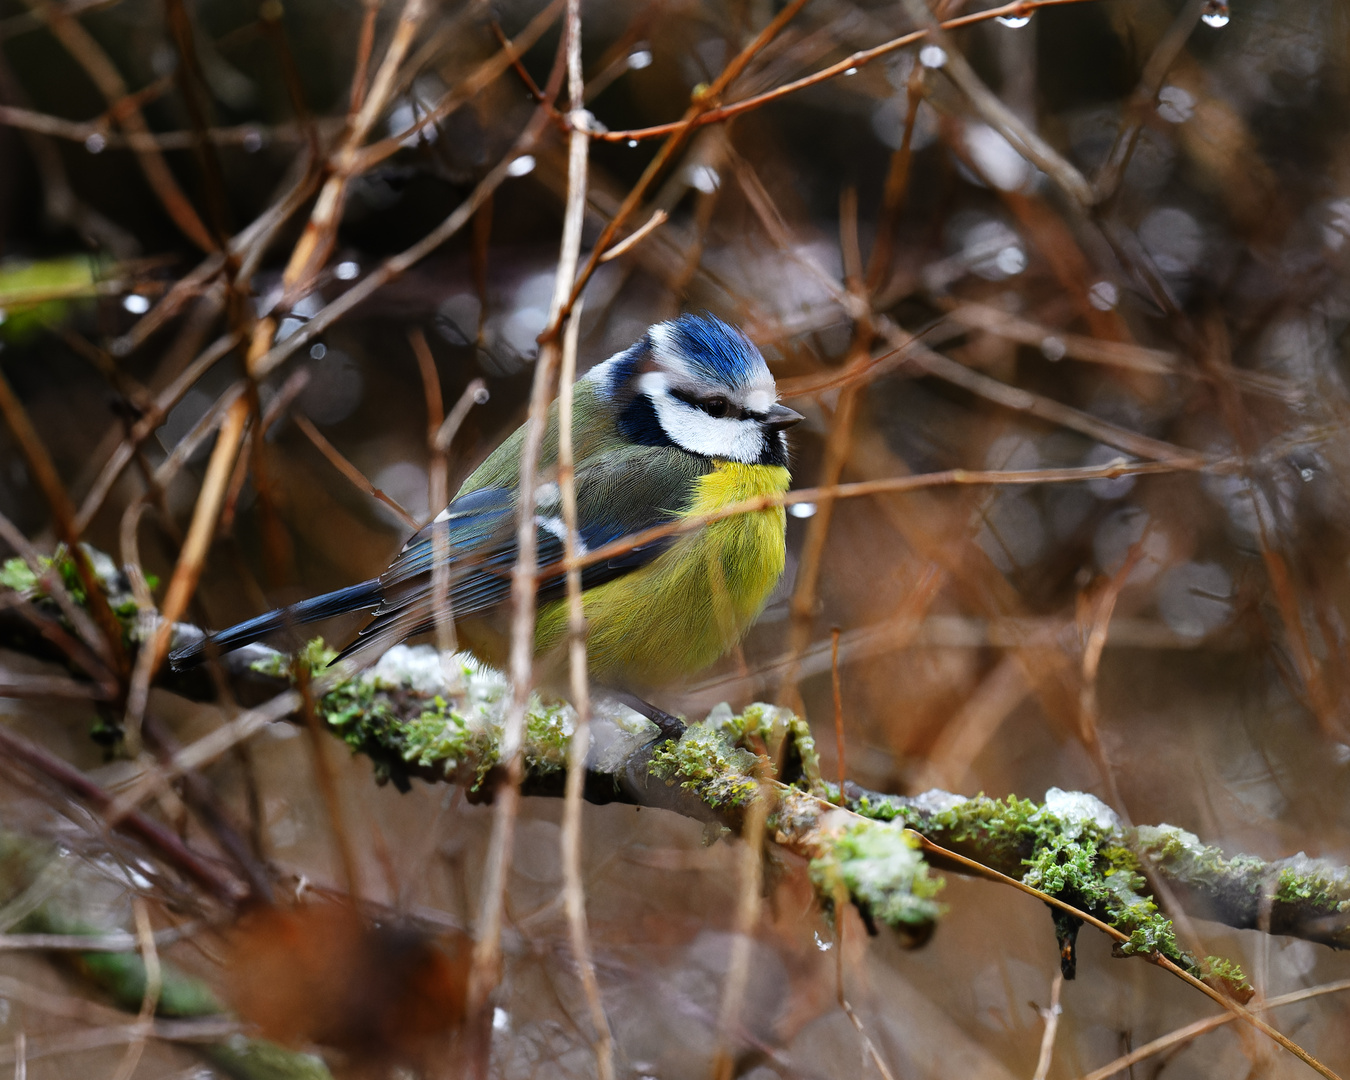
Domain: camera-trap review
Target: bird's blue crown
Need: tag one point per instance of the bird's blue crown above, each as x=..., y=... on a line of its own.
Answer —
x=715, y=351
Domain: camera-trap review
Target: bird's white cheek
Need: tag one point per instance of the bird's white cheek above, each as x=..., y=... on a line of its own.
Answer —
x=720, y=437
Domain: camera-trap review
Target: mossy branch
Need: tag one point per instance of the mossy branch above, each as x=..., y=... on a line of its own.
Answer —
x=415, y=716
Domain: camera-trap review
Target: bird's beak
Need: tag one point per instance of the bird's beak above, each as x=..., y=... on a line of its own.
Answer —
x=780, y=416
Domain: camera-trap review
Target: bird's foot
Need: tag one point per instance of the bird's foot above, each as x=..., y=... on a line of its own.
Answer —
x=672, y=727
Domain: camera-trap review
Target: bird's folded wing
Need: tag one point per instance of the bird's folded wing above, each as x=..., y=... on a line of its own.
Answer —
x=619, y=494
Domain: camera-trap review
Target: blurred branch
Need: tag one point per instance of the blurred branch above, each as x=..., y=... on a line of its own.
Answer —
x=157, y=837
x=81, y=131
x=997, y=115
x=1144, y=98
x=104, y=959
x=104, y=74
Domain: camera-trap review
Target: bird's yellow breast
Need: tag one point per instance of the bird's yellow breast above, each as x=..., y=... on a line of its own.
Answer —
x=693, y=602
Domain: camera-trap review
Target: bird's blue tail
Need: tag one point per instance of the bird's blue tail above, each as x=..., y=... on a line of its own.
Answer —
x=353, y=598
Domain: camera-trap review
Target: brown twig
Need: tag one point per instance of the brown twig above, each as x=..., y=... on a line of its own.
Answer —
x=438, y=493
x=893, y=485
x=1183, y=1035
x=327, y=780
x=1050, y=1014
x=188, y=569
x=365, y=44
x=750, y=887
x=146, y=425
x=628, y=243
x=701, y=104
x=396, y=265
x=63, y=517
x=1136, y=109
x=466, y=89
x=150, y=997
x=312, y=249
x=347, y=469
x=852, y=62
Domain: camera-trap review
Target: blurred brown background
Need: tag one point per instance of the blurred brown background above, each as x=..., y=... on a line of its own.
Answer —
x=1195, y=304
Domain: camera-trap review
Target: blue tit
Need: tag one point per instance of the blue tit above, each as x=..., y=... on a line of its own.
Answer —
x=684, y=422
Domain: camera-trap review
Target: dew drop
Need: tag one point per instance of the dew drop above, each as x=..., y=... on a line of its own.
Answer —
x=851, y=71
x=318, y=350
x=347, y=270
x=632, y=142
x=1215, y=15
x=1011, y=260
x=1307, y=475
x=704, y=178
x=1015, y=21
x=932, y=56
x=522, y=166
x=136, y=303
x=639, y=59
x=1103, y=296
x=96, y=143
x=802, y=509
x=1054, y=348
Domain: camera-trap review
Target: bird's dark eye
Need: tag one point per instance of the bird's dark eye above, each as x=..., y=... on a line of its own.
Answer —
x=715, y=406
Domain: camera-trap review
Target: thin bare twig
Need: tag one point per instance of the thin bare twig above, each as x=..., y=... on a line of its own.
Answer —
x=63, y=517
x=203, y=752
x=347, y=469
x=892, y=485
x=150, y=998
x=1185, y=1034
x=852, y=62
x=1050, y=1014
x=188, y=570
x=327, y=780
x=524, y=583
x=628, y=243
x=702, y=103
x=748, y=902
x=574, y=216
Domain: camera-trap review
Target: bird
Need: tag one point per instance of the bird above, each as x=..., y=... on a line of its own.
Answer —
x=684, y=422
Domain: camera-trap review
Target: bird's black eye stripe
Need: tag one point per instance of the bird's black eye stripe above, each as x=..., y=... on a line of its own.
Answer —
x=715, y=406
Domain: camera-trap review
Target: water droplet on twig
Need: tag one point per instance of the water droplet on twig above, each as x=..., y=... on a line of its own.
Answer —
x=1215, y=14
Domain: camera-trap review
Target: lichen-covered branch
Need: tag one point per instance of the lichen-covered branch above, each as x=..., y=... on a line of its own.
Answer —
x=414, y=718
